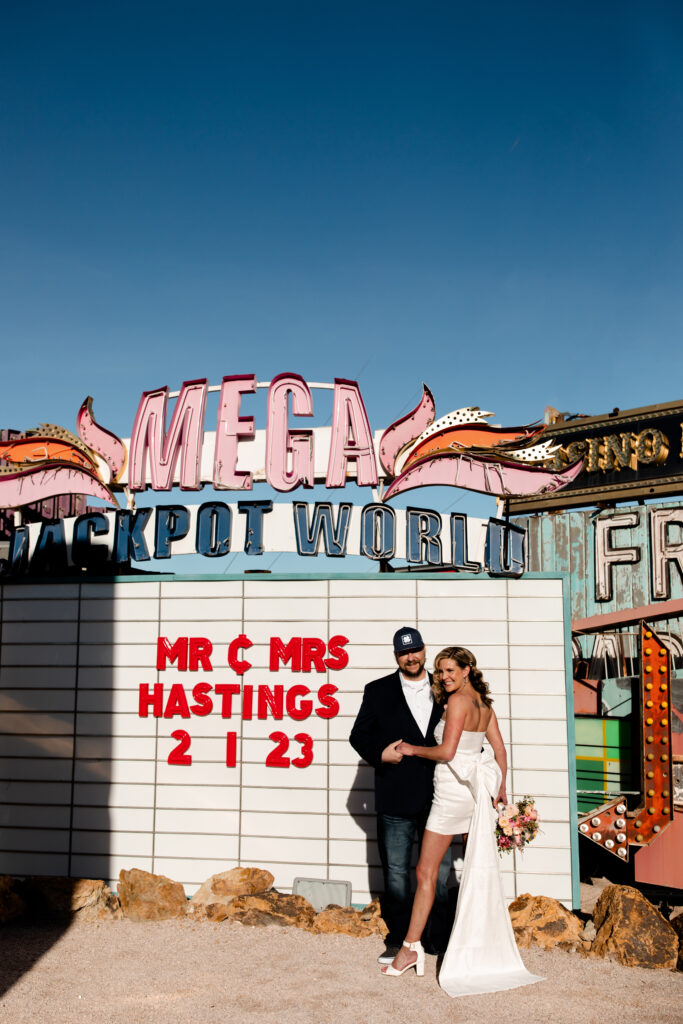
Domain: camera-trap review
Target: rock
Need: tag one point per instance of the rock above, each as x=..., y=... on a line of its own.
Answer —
x=590, y=893
x=542, y=921
x=347, y=921
x=12, y=905
x=588, y=933
x=270, y=908
x=631, y=931
x=49, y=897
x=147, y=897
x=94, y=901
x=373, y=912
x=677, y=925
x=220, y=889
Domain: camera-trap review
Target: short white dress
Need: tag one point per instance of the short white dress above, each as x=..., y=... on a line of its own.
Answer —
x=453, y=803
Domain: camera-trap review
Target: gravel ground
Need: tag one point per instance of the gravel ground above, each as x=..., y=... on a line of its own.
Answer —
x=173, y=972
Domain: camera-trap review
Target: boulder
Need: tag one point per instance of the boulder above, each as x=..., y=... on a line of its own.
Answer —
x=373, y=913
x=270, y=908
x=49, y=897
x=216, y=892
x=631, y=931
x=590, y=893
x=347, y=921
x=147, y=897
x=677, y=925
x=12, y=905
x=94, y=901
x=542, y=921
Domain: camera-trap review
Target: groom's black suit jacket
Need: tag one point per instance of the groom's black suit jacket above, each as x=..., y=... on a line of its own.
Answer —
x=406, y=788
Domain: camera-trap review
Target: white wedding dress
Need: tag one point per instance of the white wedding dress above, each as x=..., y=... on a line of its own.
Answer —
x=482, y=954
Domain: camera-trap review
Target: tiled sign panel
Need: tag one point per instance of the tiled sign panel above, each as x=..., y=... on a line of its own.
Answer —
x=86, y=783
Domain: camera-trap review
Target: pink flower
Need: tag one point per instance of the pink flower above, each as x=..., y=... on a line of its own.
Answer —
x=534, y=815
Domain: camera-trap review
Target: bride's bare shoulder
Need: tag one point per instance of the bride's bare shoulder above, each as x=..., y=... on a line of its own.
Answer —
x=457, y=703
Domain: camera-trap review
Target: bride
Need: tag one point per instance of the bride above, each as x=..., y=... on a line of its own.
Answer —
x=482, y=954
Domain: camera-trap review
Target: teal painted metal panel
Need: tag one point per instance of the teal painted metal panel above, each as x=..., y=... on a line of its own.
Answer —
x=565, y=542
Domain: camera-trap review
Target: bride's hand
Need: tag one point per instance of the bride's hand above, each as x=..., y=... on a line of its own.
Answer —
x=406, y=749
x=502, y=797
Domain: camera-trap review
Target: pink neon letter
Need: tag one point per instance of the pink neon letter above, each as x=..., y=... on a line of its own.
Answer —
x=351, y=437
x=230, y=427
x=184, y=438
x=289, y=453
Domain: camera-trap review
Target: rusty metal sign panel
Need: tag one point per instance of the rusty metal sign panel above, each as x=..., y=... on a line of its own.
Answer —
x=627, y=455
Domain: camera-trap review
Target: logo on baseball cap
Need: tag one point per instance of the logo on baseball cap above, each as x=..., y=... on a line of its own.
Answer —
x=407, y=639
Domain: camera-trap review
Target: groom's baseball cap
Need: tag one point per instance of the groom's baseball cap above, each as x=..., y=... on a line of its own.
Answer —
x=407, y=639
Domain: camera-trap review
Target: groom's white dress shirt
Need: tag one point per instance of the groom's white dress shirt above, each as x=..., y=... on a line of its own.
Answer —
x=420, y=700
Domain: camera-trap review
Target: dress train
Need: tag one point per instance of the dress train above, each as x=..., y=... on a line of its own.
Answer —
x=482, y=954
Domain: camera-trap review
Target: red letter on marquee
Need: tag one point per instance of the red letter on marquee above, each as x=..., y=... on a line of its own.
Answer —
x=303, y=710
x=204, y=705
x=227, y=691
x=155, y=700
x=280, y=652
x=200, y=652
x=239, y=665
x=330, y=706
x=166, y=651
x=273, y=699
x=338, y=656
x=177, y=702
x=312, y=654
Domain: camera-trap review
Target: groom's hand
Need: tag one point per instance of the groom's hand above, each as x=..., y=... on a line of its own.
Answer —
x=406, y=749
x=390, y=755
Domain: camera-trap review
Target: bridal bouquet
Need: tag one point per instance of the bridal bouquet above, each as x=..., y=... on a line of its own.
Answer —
x=517, y=825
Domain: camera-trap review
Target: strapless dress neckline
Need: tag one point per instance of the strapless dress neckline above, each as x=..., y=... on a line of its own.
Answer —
x=465, y=732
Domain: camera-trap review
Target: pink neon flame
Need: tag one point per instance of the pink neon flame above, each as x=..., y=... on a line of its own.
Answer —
x=101, y=440
x=489, y=477
x=406, y=430
x=41, y=482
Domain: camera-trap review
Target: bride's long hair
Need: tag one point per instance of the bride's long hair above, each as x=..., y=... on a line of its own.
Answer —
x=465, y=659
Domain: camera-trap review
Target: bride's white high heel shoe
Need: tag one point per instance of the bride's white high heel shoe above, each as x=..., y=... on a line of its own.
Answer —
x=419, y=964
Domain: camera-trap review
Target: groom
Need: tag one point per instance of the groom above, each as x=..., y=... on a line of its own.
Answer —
x=398, y=707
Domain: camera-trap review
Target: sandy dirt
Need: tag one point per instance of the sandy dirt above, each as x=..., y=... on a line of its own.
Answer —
x=173, y=972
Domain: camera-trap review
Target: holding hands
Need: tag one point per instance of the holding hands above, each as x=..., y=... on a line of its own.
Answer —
x=406, y=749
x=396, y=751
x=391, y=755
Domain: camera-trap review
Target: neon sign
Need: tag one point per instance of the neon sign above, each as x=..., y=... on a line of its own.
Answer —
x=460, y=449
x=214, y=529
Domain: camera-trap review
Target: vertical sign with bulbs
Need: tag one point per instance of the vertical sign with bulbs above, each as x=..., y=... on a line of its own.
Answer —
x=612, y=825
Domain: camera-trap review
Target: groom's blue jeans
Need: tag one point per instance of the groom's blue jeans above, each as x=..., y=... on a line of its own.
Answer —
x=395, y=838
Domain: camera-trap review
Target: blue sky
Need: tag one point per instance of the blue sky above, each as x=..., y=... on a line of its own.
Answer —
x=485, y=197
